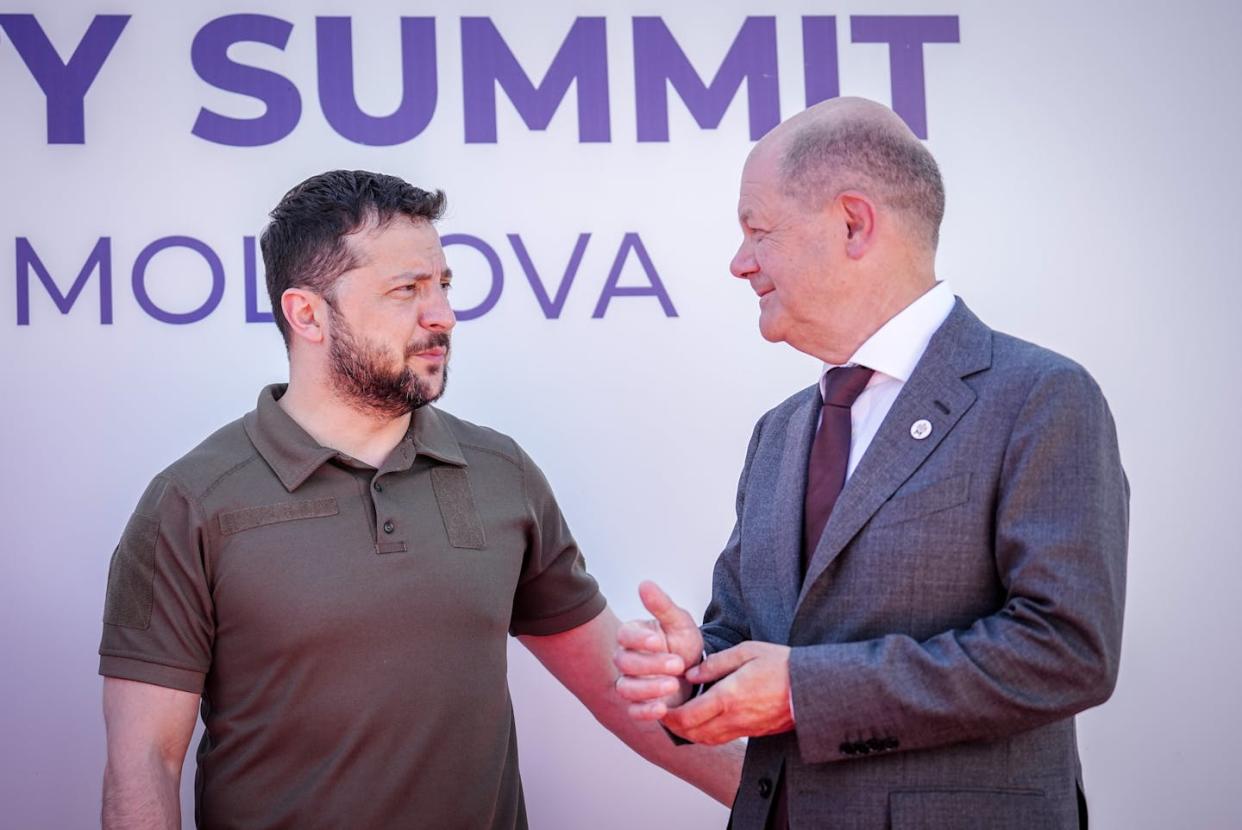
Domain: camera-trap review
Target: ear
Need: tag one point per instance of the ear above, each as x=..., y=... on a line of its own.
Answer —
x=305, y=312
x=859, y=215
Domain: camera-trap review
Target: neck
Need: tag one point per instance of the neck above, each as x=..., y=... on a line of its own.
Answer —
x=868, y=316
x=334, y=423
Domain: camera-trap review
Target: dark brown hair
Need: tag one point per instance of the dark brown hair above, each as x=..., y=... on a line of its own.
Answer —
x=304, y=244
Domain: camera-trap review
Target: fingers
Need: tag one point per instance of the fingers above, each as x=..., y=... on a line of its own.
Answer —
x=750, y=697
x=637, y=663
x=653, y=710
x=642, y=635
x=652, y=656
x=667, y=613
x=646, y=689
x=720, y=664
x=696, y=712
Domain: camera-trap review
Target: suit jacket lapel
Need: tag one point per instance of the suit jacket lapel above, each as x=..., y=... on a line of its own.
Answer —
x=785, y=565
x=962, y=346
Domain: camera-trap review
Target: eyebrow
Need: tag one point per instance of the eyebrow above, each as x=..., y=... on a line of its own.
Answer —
x=446, y=274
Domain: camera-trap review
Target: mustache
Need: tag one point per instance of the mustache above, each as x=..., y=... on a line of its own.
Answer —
x=434, y=341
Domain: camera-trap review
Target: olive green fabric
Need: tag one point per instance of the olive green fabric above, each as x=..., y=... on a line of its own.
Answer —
x=346, y=626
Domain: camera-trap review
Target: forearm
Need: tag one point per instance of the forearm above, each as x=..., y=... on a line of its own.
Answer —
x=581, y=659
x=994, y=679
x=716, y=770
x=148, y=728
x=141, y=794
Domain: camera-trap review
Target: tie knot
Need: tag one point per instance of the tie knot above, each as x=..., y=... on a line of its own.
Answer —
x=843, y=385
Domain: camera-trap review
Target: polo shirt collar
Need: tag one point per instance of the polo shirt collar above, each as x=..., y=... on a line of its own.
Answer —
x=287, y=448
x=294, y=455
x=433, y=437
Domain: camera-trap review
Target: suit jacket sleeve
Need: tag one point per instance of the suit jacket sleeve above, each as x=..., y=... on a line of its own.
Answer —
x=1051, y=650
x=725, y=622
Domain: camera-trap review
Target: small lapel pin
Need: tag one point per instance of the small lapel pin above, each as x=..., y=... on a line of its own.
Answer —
x=920, y=429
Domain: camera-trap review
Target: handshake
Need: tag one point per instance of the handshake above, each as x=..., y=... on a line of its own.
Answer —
x=661, y=661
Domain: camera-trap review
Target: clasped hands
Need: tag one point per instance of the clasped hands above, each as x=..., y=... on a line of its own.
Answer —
x=661, y=659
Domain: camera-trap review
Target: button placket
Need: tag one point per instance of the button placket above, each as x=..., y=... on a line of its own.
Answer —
x=385, y=518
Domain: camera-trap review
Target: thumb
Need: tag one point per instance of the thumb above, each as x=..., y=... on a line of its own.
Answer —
x=667, y=613
x=719, y=664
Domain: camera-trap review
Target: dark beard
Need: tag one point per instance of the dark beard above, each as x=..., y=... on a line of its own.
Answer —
x=360, y=373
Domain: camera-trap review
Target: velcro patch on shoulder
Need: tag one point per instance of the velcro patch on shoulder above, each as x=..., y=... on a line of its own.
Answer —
x=236, y=521
x=131, y=575
x=456, y=501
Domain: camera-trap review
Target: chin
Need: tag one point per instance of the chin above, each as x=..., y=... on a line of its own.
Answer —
x=439, y=381
x=770, y=330
x=433, y=387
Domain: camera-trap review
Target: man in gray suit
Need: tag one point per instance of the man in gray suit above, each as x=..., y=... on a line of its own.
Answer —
x=926, y=578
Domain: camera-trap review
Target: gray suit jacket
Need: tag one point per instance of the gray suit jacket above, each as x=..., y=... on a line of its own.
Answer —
x=963, y=603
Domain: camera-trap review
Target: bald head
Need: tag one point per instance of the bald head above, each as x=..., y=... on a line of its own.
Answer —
x=856, y=144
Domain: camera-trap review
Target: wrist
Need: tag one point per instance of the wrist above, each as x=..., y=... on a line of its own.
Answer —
x=685, y=691
x=693, y=690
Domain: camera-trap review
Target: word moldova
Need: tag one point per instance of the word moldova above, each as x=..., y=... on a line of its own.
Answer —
x=99, y=261
x=487, y=63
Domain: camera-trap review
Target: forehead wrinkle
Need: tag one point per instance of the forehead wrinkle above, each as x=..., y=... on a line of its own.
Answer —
x=370, y=227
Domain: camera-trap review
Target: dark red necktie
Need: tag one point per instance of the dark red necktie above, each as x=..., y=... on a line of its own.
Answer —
x=830, y=454
x=825, y=477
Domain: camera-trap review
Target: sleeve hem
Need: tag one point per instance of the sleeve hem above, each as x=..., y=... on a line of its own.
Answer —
x=142, y=671
x=677, y=739
x=584, y=612
x=820, y=697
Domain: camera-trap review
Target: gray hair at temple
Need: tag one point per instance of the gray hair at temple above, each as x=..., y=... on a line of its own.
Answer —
x=826, y=157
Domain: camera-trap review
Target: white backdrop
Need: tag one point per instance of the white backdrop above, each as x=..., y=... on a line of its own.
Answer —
x=1089, y=155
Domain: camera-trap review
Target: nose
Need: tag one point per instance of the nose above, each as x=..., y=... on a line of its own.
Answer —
x=437, y=315
x=743, y=264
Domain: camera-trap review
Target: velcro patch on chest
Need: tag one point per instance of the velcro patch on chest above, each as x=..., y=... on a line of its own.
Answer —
x=456, y=501
x=236, y=521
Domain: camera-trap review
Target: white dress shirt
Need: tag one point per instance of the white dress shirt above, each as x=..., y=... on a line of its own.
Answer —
x=893, y=352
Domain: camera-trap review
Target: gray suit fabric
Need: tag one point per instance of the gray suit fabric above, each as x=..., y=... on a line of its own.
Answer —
x=964, y=601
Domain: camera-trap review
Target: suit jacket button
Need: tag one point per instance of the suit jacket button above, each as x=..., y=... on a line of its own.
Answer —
x=765, y=787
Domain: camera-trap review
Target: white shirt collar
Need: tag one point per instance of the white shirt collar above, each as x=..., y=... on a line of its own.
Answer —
x=898, y=345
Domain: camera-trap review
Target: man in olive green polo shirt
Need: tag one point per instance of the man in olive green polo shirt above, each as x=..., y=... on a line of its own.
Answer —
x=335, y=574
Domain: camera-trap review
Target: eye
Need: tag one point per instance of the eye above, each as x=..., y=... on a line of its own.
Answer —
x=445, y=286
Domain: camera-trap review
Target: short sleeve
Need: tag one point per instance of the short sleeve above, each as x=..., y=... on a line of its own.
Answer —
x=554, y=593
x=158, y=621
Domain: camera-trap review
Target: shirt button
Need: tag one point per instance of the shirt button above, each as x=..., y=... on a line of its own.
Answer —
x=765, y=787
x=379, y=488
x=389, y=527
